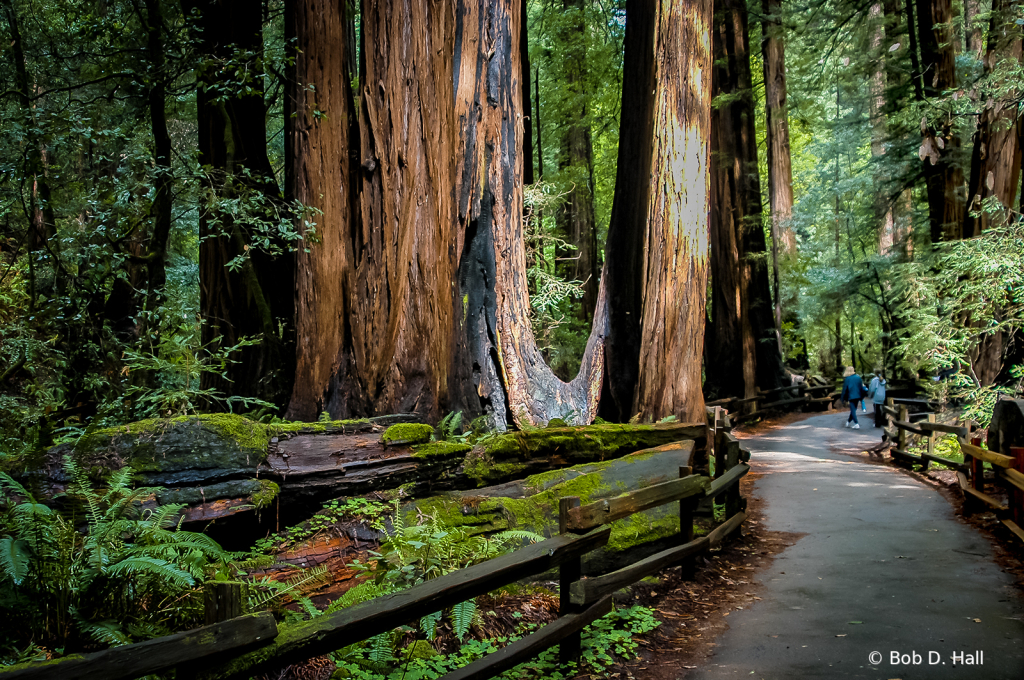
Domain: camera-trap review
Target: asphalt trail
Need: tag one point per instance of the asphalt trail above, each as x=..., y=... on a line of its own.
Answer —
x=884, y=567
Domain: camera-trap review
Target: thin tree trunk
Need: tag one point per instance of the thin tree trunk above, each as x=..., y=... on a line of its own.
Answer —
x=576, y=218
x=741, y=350
x=624, y=247
x=943, y=177
x=676, y=253
x=972, y=29
x=879, y=130
x=996, y=161
x=524, y=52
x=780, y=169
x=164, y=178
x=256, y=299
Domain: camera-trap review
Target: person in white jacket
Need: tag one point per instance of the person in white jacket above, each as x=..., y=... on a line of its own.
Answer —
x=876, y=392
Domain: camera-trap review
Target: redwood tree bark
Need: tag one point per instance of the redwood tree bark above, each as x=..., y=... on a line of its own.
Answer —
x=676, y=256
x=508, y=371
x=996, y=160
x=943, y=176
x=254, y=300
x=321, y=137
x=780, y=167
x=624, y=246
x=741, y=353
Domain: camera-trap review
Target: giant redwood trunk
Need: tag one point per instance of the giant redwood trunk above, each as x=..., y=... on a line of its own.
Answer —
x=995, y=166
x=940, y=146
x=416, y=298
x=508, y=371
x=741, y=351
x=676, y=253
x=322, y=176
x=255, y=299
x=378, y=309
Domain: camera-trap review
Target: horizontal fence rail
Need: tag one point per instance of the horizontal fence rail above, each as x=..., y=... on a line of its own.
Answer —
x=1007, y=466
x=254, y=644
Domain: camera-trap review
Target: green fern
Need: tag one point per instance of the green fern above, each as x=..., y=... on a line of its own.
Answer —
x=428, y=624
x=14, y=558
x=462, y=617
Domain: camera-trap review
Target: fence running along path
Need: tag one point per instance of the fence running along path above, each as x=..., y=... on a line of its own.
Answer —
x=1007, y=466
x=816, y=392
x=253, y=644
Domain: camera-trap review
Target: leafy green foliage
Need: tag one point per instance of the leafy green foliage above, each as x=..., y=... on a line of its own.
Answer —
x=130, y=574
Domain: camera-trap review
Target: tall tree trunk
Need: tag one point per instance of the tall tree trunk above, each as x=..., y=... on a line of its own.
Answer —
x=741, y=351
x=972, y=28
x=676, y=256
x=940, y=145
x=576, y=218
x=879, y=130
x=509, y=373
x=995, y=167
x=780, y=168
x=524, y=54
x=996, y=161
x=322, y=167
x=164, y=178
x=256, y=299
x=627, y=229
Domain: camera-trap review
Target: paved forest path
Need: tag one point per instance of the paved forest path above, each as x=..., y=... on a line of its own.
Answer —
x=884, y=566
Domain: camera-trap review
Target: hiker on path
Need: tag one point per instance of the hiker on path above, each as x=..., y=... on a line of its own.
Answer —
x=853, y=392
x=876, y=391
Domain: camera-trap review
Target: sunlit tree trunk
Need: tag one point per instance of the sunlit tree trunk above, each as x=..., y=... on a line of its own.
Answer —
x=780, y=168
x=676, y=253
x=740, y=349
x=254, y=297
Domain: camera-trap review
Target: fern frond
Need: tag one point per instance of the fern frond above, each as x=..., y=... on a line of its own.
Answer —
x=14, y=559
x=106, y=632
x=462, y=617
x=428, y=625
x=381, y=649
x=151, y=566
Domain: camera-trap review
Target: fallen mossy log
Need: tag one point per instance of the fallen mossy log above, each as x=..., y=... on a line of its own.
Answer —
x=221, y=464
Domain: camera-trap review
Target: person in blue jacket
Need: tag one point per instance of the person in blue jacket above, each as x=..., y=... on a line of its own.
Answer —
x=853, y=392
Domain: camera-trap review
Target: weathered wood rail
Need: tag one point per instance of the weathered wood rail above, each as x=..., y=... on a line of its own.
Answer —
x=254, y=644
x=816, y=392
x=1007, y=464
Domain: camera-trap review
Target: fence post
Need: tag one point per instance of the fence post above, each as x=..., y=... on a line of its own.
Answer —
x=1018, y=496
x=931, y=441
x=569, y=572
x=222, y=600
x=888, y=416
x=977, y=467
x=732, y=496
x=902, y=434
x=686, y=508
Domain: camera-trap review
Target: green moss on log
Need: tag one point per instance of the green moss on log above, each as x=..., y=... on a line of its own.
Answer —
x=440, y=450
x=266, y=494
x=407, y=433
x=503, y=457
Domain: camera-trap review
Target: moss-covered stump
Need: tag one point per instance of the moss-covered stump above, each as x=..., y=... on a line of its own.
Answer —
x=515, y=455
x=532, y=503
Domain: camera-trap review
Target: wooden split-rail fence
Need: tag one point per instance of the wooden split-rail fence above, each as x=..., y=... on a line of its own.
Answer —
x=1008, y=465
x=254, y=644
x=815, y=392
